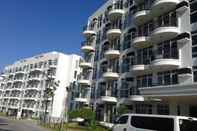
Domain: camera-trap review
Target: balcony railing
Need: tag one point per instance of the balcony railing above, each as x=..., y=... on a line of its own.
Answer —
x=143, y=6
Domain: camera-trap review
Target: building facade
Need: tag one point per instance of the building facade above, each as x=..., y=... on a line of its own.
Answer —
x=140, y=54
x=23, y=85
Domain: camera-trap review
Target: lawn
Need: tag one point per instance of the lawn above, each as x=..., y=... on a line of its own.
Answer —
x=73, y=127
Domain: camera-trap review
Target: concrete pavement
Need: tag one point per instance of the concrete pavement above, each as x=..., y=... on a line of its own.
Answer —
x=19, y=125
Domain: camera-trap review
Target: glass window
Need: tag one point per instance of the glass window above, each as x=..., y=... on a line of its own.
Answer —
x=195, y=76
x=163, y=109
x=194, y=17
x=153, y=123
x=166, y=49
x=167, y=78
x=123, y=120
x=193, y=6
x=174, y=78
x=194, y=39
x=187, y=125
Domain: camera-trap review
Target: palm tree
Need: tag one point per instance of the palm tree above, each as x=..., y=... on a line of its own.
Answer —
x=49, y=91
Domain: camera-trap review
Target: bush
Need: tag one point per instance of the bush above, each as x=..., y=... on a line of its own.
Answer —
x=86, y=113
x=122, y=109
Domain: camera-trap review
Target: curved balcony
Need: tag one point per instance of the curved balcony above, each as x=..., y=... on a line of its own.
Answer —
x=108, y=99
x=110, y=76
x=84, y=64
x=141, y=42
x=15, y=97
x=29, y=108
x=84, y=82
x=13, y=106
x=83, y=100
x=31, y=98
x=36, y=70
x=113, y=33
x=87, y=48
x=142, y=16
x=116, y=14
x=112, y=54
x=20, y=72
x=89, y=33
x=18, y=81
x=164, y=33
x=35, y=79
x=138, y=68
x=162, y=6
x=163, y=63
x=136, y=98
x=33, y=88
x=53, y=66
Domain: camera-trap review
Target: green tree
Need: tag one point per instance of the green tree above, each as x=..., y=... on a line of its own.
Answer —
x=86, y=113
x=122, y=109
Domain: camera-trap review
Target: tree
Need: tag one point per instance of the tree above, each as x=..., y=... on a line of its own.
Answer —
x=122, y=109
x=49, y=91
x=86, y=113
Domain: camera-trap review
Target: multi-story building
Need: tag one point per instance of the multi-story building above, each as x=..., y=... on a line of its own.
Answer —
x=23, y=84
x=140, y=55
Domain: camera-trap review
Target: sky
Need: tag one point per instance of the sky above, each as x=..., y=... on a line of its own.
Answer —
x=30, y=27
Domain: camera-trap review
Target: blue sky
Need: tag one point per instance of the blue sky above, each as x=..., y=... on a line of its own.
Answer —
x=29, y=27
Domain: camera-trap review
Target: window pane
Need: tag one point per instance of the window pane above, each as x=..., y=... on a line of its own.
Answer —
x=153, y=123
x=123, y=120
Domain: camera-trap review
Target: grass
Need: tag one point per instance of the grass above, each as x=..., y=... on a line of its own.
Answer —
x=74, y=127
x=2, y=114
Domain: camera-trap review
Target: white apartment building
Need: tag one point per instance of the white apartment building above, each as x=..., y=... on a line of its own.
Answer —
x=23, y=84
x=138, y=53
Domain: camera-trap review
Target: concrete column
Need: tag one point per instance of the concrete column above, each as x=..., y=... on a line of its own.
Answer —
x=184, y=108
x=173, y=108
x=19, y=113
x=154, y=108
x=105, y=113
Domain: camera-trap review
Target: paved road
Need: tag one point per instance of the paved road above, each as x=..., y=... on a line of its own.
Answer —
x=15, y=125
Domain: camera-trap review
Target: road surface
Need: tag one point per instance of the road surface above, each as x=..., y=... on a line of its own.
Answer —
x=16, y=125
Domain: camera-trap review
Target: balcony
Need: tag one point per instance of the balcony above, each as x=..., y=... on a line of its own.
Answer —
x=86, y=65
x=110, y=75
x=20, y=72
x=18, y=80
x=138, y=68
x=164, y=33
x=31, y=108
x=116, y=14
x=141, y=17
x=87, y=47
x=88, y=32
x=32, y=98
x=162, y=6
x=35, y=79
x=165, y=63
x=83, y=100
x=33, y=88
x=37, y=69
x=170, y=90
x=114, y=33
x=136, y=98
x=108, y=99
x=84, y=82
x=141, y=42
x=52, y=66
x=112, y=54
x=13, y=106
x=15, y=97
